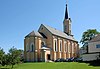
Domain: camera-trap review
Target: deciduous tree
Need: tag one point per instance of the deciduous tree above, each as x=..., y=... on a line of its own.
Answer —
x=87, y=36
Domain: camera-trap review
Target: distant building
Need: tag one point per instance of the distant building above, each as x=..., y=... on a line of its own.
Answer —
x=93, y=49
x=50, y=44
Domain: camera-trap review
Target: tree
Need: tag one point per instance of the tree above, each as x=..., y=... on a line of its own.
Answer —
x=1, y=55
x=14, y=55
x=87, y=36
x=21, y=55
x=5, y=60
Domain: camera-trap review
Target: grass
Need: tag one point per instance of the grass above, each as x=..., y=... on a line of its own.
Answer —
x=66, y=65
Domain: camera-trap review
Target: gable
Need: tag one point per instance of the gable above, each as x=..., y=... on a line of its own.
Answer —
x=31, y=34
x=44, y=31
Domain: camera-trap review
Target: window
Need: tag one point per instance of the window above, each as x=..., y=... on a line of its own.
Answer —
x=69, y=46
x=60, y=46
x=55, y=45
x=27, y=48
x=32, y=48
x=43, y=44
x=98, y=46
x=72, y=47
x=65, y=46
x=42, y=28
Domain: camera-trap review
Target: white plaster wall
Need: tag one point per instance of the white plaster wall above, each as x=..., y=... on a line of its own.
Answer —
x=90, y=57
x=92, y=47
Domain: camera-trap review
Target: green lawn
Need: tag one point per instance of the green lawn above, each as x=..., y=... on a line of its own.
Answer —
x=66, y=65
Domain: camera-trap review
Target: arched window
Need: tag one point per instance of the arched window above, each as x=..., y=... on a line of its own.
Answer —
x=43, y=43
x=27, y=47
x=65, y=46
x=72, y=48
x=55, y=44
x=60, y=46
x=32, y=47
x=68, y=46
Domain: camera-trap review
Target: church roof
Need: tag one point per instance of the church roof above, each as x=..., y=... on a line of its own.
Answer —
x=34, y=34
x=96, y=38
x=58, y=33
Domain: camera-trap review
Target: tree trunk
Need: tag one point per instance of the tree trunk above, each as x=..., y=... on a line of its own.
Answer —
x=12, y=66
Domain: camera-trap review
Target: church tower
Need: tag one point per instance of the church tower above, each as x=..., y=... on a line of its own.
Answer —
x=67, y=23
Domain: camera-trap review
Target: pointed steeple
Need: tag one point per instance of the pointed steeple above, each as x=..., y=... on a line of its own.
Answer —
x=66, y=13
x=67, y=23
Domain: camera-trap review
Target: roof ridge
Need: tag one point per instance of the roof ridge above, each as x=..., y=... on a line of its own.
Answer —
x=58, y=32
x=54, y=28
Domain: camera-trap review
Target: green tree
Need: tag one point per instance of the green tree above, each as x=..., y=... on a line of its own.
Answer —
x=87, y=36
x=1, y=55
x=14, y=55
x=6, y=59
x=21, y=55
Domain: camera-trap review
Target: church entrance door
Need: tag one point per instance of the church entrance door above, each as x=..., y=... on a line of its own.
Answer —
x=48, y=56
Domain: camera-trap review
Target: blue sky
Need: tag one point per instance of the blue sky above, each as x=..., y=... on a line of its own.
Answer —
x=20, y=17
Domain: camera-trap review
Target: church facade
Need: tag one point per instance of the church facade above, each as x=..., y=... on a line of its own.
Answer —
x=50, y=44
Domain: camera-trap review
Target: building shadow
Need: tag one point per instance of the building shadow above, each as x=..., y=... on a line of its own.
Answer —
x=95, y=63
x=5, y=68
x=92, y=63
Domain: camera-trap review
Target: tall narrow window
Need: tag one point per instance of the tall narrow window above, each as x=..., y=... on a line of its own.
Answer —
x=55, y=45
x=73, y=47
x=60, y=46
x=65, y=47
x=69, y=47
x=27, y=47
x=32, y=48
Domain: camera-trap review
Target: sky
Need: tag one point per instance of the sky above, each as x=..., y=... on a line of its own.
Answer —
x=20, y=17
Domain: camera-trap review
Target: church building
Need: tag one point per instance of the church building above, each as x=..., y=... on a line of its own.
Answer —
x=50, y=44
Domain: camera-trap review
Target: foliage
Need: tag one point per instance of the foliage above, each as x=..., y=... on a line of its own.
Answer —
x=88, y=35
x=6, y=59
x=1, y=55
x=12, y=58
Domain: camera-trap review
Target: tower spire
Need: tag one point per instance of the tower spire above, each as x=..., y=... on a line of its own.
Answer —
x=67, y=22
x=66, y=13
